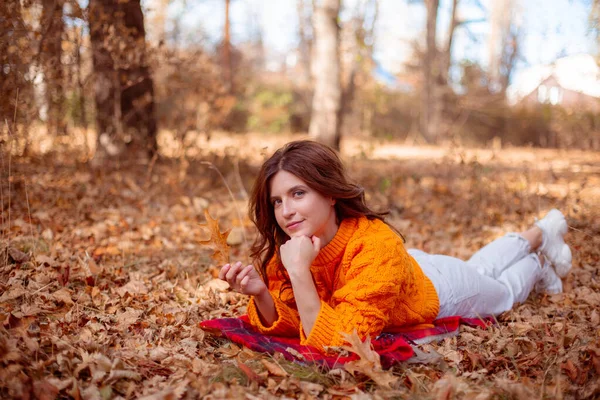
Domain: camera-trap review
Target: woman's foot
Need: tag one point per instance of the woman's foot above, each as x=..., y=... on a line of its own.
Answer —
x=554, y=227
x=549, y=282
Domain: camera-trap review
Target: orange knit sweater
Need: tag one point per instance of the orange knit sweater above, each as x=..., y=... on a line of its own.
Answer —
x=366, y=281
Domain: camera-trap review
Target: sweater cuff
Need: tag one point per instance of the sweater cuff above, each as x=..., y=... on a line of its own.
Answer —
x=323, y=332
x=287, y=319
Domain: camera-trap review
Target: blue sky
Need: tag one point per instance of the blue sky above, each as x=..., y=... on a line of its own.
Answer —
x=553, y=28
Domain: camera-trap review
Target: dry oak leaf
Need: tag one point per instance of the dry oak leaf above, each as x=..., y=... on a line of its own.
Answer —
x=369, y=362
x=63, y=296
x=273, y=368
x=218, y=240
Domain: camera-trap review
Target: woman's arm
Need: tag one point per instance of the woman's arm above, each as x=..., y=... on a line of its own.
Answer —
x=266, y=313
x=307, y=299
x=297, y=255
x=266, y=308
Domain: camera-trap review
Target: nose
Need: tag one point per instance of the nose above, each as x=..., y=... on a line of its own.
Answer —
x=287, y=209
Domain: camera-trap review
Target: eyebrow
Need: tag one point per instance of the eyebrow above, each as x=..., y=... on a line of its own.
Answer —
x=290, y=190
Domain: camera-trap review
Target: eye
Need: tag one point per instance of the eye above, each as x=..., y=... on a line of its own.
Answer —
x=299, y=193
x=276, y=202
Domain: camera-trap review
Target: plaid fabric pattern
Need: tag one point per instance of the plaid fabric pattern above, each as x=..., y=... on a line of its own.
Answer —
x=392, y=347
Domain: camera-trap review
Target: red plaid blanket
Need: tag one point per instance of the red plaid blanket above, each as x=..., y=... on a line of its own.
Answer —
x=392, y=347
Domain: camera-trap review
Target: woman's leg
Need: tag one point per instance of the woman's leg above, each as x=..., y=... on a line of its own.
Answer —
x=546, y=235
x=498, y=255
x=463, y=291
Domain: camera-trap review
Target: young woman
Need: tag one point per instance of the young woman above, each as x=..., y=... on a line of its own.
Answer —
x=329, y=264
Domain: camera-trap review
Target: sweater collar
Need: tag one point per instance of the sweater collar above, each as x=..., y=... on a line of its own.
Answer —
x=338, y=244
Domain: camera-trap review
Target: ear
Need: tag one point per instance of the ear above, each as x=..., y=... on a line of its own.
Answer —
x=332, y=201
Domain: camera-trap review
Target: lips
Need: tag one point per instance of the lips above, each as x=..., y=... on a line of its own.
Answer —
x=293, y=225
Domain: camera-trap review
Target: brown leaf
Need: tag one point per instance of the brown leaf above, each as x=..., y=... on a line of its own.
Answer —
x=422, y=357
x=63, y=296
x=13, y=294
x=44, y=390
x=218, y=240
x=132, y=287
x=369, y=362
x=63, y=275
x=273, y=368
x=252, y=376
x=570, y=370
x=17, y=255
x=295, y=353
x=42, y=259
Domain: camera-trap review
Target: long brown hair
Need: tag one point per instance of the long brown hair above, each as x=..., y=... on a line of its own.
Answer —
x=321, y=168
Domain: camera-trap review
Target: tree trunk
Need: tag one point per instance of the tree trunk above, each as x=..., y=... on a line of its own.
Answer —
x=363, y=32
x=447, y=56
x=227, y=50
x=124, y=92
x=429, y=104
x=137, y=89
x=52, y=27
x=305, y=46
x=106, y=84
x=500, y=41
x=15, y=57
x=325, y=118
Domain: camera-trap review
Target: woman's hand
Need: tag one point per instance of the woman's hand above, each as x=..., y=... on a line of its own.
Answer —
x=298, y=253
x=245, y=280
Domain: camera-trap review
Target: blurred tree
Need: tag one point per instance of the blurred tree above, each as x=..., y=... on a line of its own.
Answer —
x=594, y=22
x=446, y=55
x=359, y=57
x=15, y=57
x=429, y=97
x=159, y=21
x=505, y=33
x=50, y=50
x=124, y=89
x=326, y=106
x=227, y=62
x=305, y=33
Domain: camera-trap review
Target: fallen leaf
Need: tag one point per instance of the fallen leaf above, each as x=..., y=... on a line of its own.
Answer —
x=13, y=294
x=132, y=287
x=295, y=353
x=63, y=295
x=273, y=368
x=422, y=357
x=310, y=388
x=570, y=370
x=252, y=376
x=369, y=363
x=128, y=317
x=218, y=240
x=42, y=259
x=17, y=255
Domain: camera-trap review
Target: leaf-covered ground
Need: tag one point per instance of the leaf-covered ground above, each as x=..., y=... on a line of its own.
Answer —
x=103, y=280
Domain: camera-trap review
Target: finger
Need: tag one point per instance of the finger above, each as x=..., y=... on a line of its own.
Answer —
x=316, y=242
x=233, y=272
x=244, y=282
x=223, y=271
x=243, y=273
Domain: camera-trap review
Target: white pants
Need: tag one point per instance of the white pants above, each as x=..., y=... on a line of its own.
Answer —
x=497, y=276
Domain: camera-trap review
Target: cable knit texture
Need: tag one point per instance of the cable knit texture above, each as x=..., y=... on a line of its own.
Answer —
x=366, y=281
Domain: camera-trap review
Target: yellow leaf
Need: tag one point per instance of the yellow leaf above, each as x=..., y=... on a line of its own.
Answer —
x=218, y=240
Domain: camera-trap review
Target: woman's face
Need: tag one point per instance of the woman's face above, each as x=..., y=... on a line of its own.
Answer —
x=300, y=210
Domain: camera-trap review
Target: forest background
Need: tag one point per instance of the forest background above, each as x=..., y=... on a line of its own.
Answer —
x=124, y=120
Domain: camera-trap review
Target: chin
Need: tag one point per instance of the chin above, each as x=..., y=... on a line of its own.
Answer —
x=299, y=233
